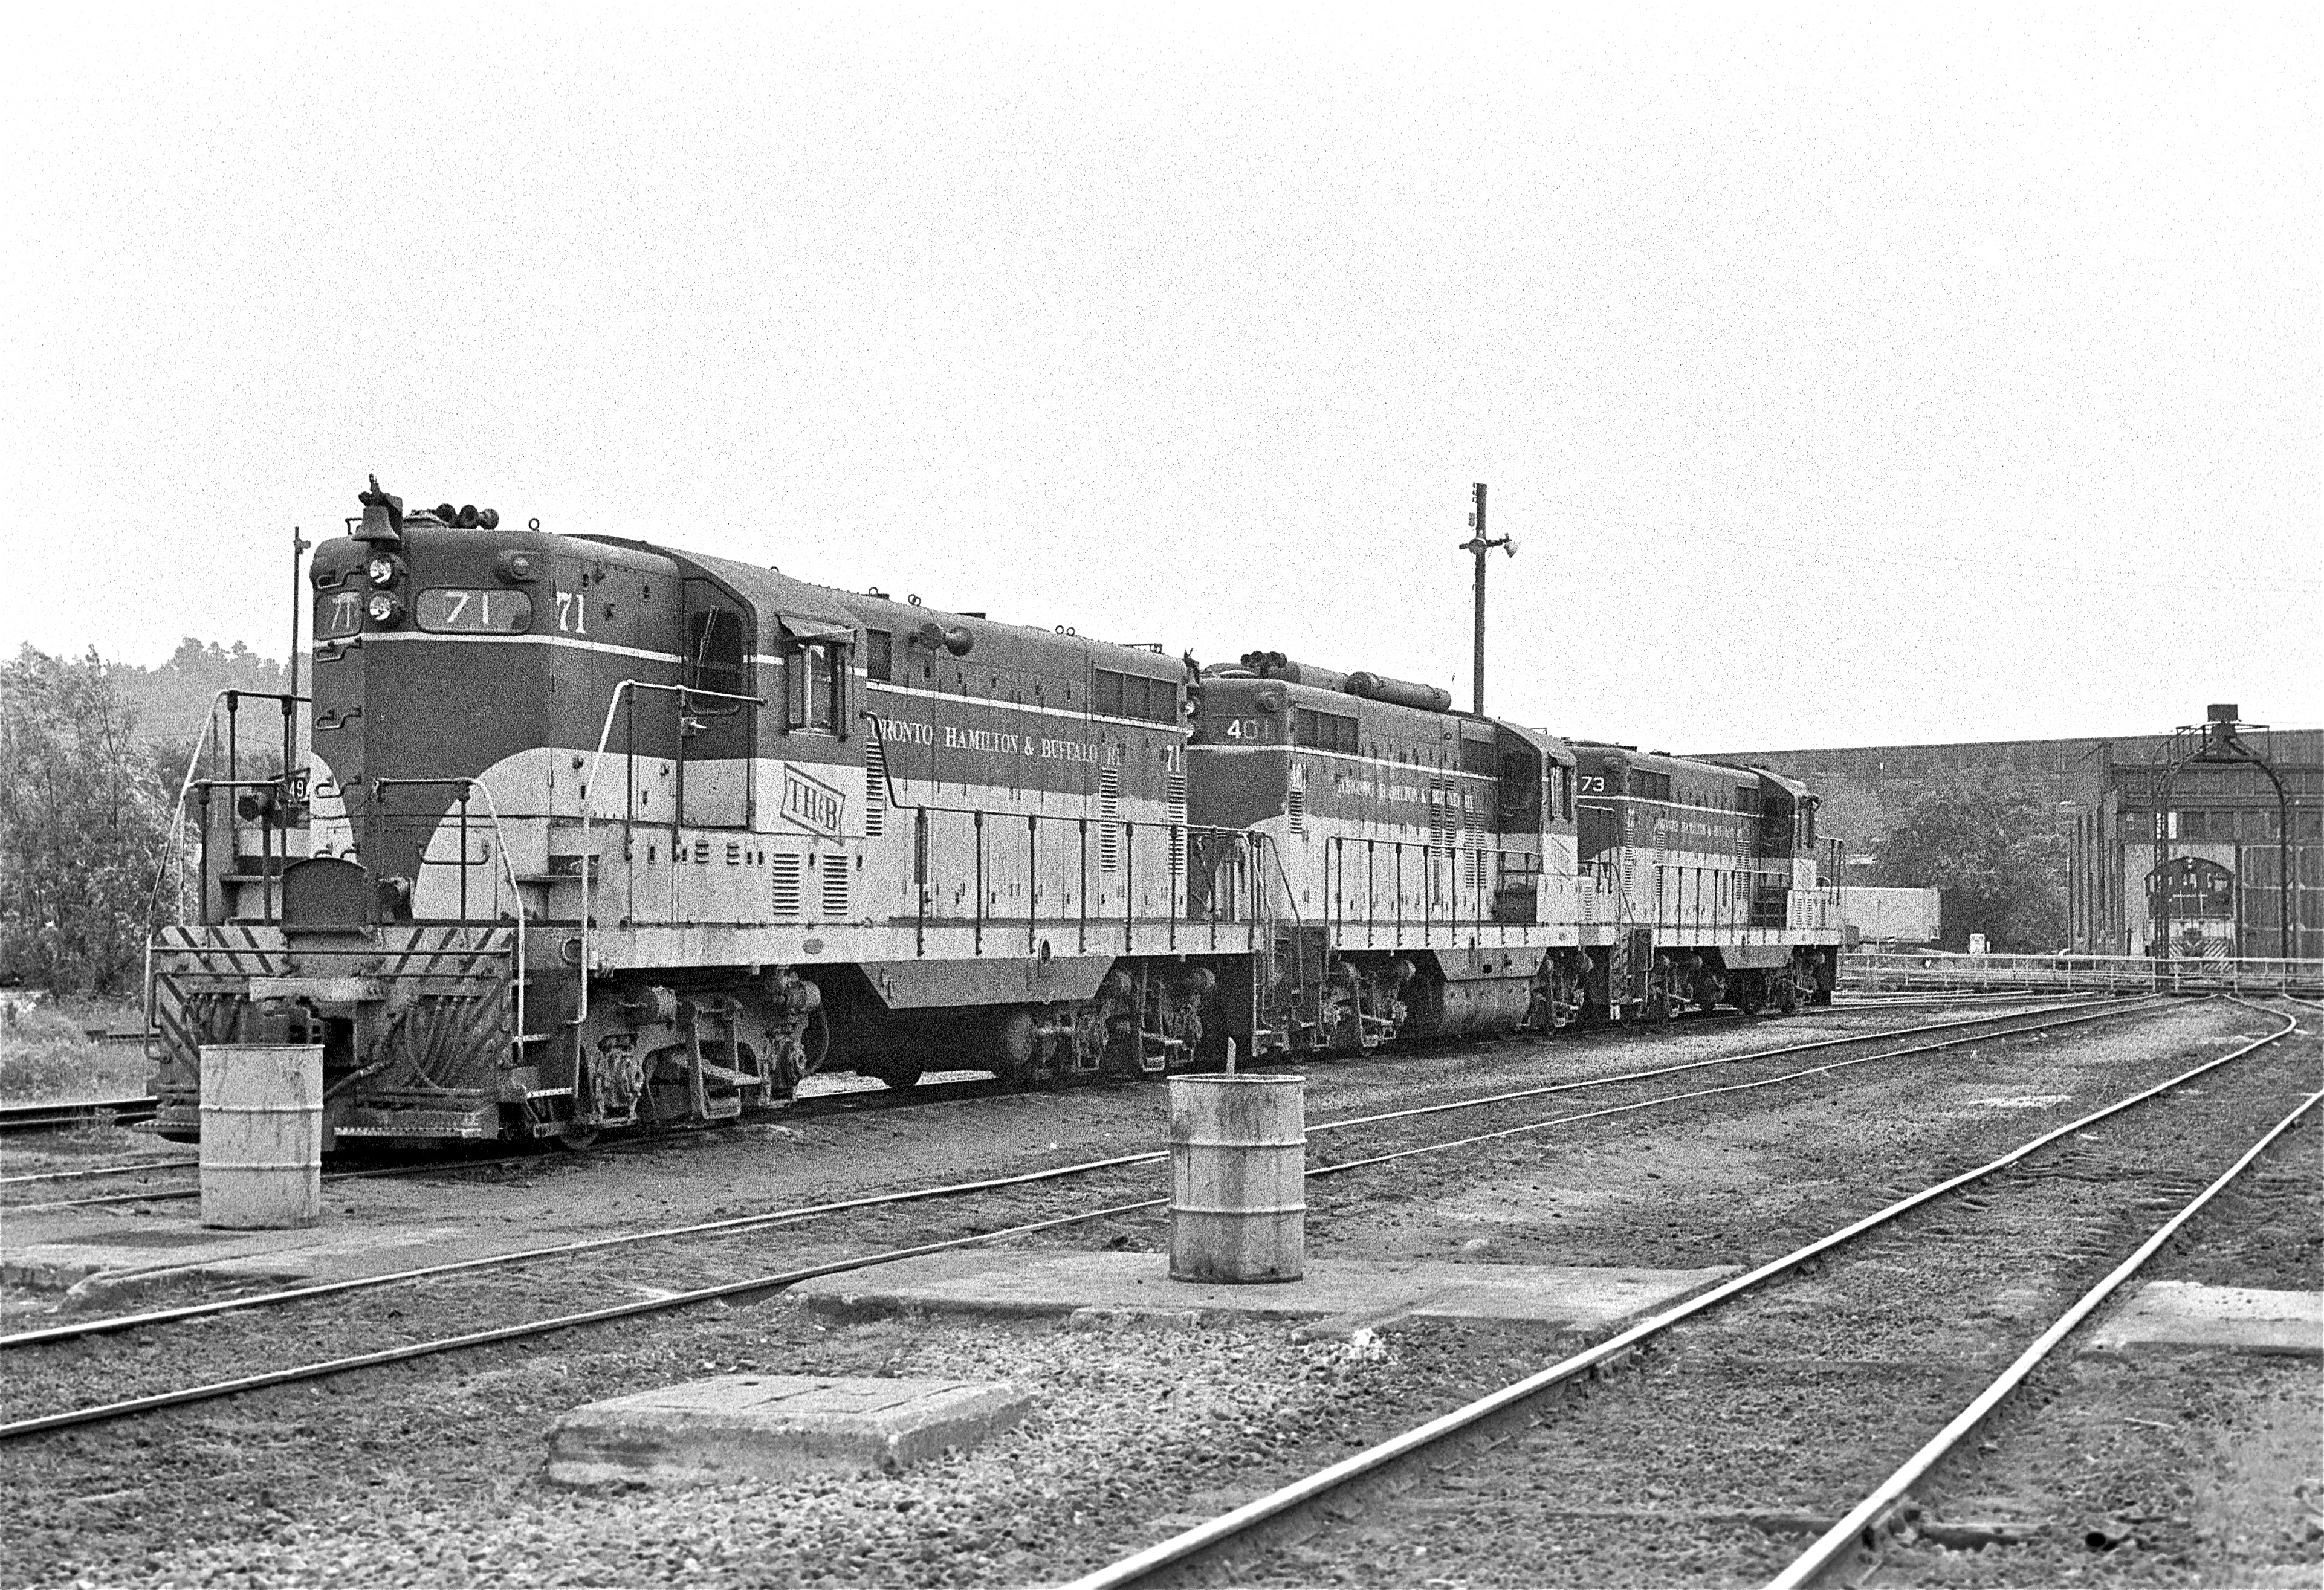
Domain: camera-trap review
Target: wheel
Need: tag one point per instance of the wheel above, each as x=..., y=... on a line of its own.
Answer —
x=576, y=1139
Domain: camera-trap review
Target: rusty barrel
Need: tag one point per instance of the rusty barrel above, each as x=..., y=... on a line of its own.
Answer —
x=262, y=1166
x=1238, y=1184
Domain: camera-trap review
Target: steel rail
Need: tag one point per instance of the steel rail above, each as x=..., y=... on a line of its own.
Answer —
x=96, y=1170
x=1619, y=1109
x=116, y=1323
x=75, y=1112
x=749, y=1222
x=340, y=1365
x=852, y=1100
x=532, y=1328
x=176, y=1194
x=846, y=1103
x=2110, y=1007
x=25, y=1339
x=1861, y=1524
x=1226, y=1526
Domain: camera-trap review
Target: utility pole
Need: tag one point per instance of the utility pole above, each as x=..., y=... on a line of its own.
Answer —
x=1479, y=544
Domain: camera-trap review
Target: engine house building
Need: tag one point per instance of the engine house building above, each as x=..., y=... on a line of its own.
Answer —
x=2200, y=863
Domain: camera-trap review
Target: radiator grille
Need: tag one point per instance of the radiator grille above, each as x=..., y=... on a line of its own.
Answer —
x=786, y=872
x=1109, y=812
x=1177, y=823
x=875, y=789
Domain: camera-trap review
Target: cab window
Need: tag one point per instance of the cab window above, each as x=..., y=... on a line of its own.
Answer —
x=812, y=675
x=713, y=657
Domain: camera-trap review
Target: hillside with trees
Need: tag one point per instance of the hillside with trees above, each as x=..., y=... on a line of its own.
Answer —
x=170, y=702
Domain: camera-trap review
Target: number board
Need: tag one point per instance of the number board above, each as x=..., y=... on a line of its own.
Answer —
x=475, y=613
x=338, y=613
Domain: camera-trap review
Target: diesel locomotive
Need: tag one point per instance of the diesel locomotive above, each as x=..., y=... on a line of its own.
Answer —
x=591, y=832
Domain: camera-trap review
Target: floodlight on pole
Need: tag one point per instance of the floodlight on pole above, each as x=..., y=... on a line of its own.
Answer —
x=1478, y=545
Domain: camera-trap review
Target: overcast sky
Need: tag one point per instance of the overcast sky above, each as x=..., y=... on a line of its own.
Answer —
x=1853, y=374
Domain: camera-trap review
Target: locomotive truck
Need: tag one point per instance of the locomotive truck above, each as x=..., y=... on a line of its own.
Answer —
x=592, y=832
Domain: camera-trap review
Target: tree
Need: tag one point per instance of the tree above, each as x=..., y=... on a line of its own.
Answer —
x=1989, y=845
x=84, y=825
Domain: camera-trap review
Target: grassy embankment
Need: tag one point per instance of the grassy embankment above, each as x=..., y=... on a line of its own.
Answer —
x=46, y=1052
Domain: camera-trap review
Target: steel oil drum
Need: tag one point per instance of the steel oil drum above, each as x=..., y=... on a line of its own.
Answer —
x=262, y=1153
x=1238, y=1185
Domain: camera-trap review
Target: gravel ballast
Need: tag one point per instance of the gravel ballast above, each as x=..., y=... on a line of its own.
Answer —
x=434, y=1474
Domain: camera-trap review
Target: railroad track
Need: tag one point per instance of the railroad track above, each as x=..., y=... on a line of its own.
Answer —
x=439, y=1163
x=61, y=1115
x=851, y=1100
x=65, y=1114
x=1886, y=1046
x=1487, y=1425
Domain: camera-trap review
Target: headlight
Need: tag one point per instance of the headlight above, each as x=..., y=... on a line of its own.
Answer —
x=384, y=607
x=383, y=571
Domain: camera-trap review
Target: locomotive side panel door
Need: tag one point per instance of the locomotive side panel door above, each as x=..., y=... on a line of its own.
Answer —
x=716, y=736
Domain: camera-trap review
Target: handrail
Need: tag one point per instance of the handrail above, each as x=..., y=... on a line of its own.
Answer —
x=173, y=855
x=2071, y=967
x=491, y=809
x=589, y=804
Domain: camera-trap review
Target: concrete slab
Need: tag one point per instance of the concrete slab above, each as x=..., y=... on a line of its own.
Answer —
x=123, y=1263
x=765, y=1426
x=1092, y=1287
x=2165, y=1314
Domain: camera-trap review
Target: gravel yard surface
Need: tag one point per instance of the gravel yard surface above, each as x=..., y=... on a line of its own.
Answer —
x=433, y=1473
x=1747, y=1431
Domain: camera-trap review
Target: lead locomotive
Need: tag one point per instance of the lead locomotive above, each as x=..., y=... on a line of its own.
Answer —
x=596, y=834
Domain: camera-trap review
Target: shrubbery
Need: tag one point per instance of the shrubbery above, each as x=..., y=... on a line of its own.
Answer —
x=1992, y=846
x=83, y=822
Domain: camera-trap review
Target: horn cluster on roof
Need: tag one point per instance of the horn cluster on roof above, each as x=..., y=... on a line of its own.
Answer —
x=383, y=517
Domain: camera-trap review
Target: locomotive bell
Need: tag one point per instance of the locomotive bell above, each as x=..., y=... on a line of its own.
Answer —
x=382, y=520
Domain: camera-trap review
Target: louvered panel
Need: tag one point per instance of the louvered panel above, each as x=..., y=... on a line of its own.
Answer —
x=1177, y=823
x=1108, y=812
x=1296, y=807
x=786, y=872
x=835, y=878
x=875, y=789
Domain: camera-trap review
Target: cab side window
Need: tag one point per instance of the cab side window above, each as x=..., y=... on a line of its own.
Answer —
x=812, y=674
